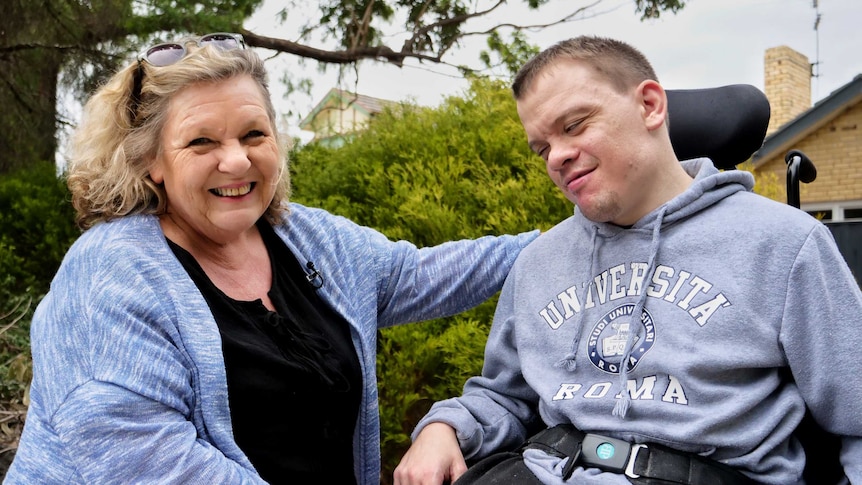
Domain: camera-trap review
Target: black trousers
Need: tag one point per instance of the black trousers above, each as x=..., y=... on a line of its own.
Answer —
x=499, y=469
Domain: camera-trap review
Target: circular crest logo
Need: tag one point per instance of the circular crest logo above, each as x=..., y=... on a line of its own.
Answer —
x=609, y=336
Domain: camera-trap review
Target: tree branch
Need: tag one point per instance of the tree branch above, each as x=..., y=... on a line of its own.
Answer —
x=568, y=18
x=410, y=46
x=381, y=53
x=411, y=43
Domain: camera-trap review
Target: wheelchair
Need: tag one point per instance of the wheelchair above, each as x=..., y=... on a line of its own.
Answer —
x=728, y=124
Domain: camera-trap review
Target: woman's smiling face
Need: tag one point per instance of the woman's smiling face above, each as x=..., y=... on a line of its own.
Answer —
x=219, y=159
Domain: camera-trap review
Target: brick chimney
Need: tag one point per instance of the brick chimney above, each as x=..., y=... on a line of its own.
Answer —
x=787, y=84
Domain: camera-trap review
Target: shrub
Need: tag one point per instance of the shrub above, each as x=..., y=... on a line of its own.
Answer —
x=429, y=175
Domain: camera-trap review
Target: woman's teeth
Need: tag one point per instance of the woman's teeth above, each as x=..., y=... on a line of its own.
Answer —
x=232, y=192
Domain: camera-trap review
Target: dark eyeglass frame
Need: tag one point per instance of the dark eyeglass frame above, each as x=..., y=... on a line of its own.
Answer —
x=154, y=56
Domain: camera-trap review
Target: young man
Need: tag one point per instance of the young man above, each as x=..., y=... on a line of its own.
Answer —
x=679, y=319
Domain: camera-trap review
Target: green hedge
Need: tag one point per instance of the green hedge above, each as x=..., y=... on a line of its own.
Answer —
x=429, y=175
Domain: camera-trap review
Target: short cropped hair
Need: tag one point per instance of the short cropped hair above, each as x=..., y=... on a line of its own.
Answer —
x=623, y=65
x=108, y=171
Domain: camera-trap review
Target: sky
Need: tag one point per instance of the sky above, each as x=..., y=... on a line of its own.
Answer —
x=707, y=43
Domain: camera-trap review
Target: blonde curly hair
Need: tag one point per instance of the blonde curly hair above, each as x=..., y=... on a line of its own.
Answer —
x=112, y=147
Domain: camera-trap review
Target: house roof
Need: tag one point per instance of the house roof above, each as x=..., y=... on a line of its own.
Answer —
x=824, y=111
x=339, y=97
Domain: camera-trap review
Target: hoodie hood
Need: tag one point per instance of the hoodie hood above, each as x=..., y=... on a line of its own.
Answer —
x=709, y=187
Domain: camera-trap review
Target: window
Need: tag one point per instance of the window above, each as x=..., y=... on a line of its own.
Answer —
x=835, y=211
x=822, y=215
x=853, y=214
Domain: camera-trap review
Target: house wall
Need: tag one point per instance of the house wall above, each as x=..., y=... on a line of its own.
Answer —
x=836, y=150
x=336, y=120
x=340, y=115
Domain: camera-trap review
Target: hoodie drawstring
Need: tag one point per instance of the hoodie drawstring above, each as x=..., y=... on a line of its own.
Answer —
x=569, y=362
x=622, y=406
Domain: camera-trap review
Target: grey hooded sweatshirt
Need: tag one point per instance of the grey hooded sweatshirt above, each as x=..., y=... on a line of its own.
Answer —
x=709, y=300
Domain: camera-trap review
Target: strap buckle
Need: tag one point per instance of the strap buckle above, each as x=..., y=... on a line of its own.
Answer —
x=633, y=456
x=610, y=454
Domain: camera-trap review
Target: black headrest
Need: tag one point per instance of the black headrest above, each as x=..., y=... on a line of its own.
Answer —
x=726, y=123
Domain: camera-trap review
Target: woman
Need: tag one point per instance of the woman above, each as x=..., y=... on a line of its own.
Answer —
x=202, y=329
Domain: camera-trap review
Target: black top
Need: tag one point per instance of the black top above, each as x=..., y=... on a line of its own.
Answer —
x=293, y=376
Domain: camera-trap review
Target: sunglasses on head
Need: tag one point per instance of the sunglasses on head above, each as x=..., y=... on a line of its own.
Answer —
x=162, y=55
x=171, y=52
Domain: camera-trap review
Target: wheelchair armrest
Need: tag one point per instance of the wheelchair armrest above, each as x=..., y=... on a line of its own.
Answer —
x=726, y=123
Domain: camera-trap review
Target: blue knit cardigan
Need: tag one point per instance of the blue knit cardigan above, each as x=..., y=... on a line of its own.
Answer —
x=129, y=381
